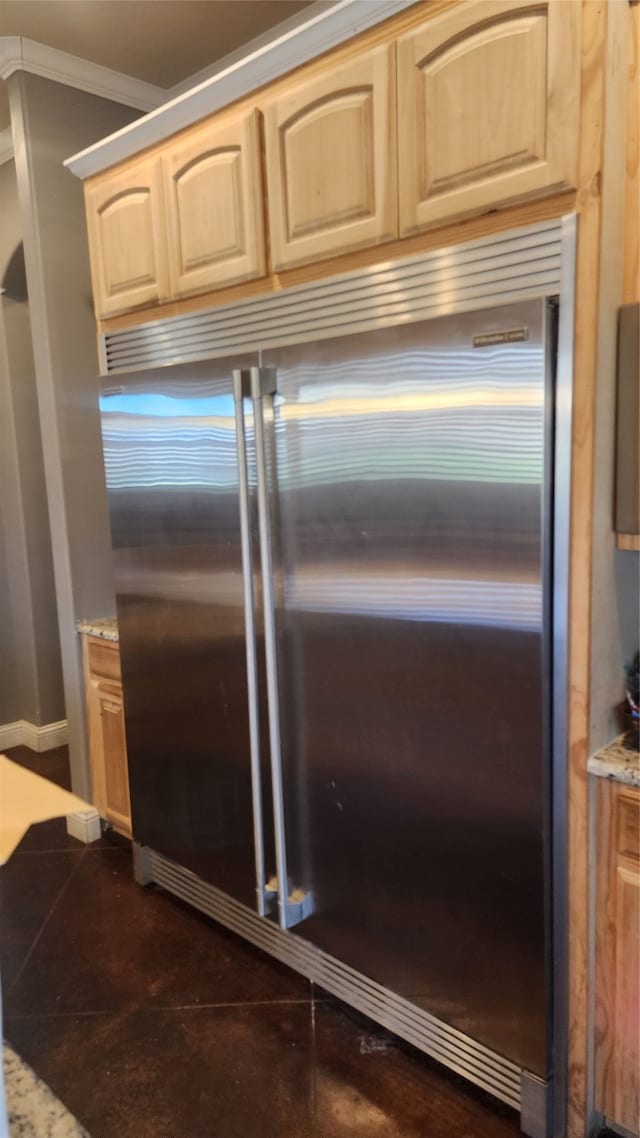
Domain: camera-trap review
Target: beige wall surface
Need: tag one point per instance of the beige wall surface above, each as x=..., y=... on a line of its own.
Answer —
x=50, y=122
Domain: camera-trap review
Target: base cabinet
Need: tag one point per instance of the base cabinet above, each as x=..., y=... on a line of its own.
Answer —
x=107, y=740
x=617, y=1054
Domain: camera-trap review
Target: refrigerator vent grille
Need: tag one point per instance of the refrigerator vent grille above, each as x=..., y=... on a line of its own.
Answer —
x=455, y=1050
x=517, y=265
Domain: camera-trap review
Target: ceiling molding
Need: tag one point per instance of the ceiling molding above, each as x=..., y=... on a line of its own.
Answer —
x=20, y=54
x=6, y=146
x=296, y=41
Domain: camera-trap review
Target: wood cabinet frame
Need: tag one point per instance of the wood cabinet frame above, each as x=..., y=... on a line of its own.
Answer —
x=107, y=738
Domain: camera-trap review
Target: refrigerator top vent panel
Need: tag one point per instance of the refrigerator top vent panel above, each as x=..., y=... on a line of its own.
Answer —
x=517, y=265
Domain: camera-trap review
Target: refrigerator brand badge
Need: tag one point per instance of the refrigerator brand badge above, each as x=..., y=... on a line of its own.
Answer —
x=509, y=336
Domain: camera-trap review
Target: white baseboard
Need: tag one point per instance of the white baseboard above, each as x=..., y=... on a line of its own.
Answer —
x=23, y=734
x=10, y=735
x=85, y=826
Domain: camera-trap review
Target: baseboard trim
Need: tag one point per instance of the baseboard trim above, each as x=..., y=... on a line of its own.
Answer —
x=85, y=826
x=24, y=734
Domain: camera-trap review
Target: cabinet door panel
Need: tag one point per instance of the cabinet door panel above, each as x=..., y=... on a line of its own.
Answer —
x=617, y=1040
x=107, y=738
x=331, y=162
x=125, y=220
x=117, y=809
x=488, y=104
x=626, y=1084
x=215, y=206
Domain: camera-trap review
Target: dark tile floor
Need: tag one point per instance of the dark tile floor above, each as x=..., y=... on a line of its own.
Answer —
x=150, y=1021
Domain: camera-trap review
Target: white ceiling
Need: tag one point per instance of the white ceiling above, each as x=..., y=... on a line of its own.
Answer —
x=160, y=41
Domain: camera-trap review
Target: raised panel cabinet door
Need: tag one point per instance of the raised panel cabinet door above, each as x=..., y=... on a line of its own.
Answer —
x=114, y=749
x=107, y=739
x=488, y=108
x=331, y=162
x=127, y=239
x=617, y=1049
x=215, y=206
x=625, y=1107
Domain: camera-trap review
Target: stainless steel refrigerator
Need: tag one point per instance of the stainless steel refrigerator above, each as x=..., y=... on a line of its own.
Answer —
x=333, y=564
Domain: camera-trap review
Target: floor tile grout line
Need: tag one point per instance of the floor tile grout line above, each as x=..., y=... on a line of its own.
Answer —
x=314, y=1065
x=229, y=1004
x=156, y=1008
x=23, y=1016
x=58, y=898
x=79, y=848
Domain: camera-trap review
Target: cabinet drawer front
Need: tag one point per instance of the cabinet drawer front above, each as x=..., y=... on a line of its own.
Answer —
x=125, y=221
x=213, y=183
x=629, y=826
x=331, y=162
x=104, y=659
x=488, y=105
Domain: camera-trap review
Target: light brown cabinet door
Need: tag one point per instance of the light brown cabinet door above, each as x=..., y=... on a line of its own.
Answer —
x=127, y=241
x=488, y=108
x=331, y=162
x=215, y=206
x=107, y=738
x=617, y=1060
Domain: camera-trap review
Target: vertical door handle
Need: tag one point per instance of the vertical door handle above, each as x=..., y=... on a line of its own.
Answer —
x=294, y=906
x=241, y=388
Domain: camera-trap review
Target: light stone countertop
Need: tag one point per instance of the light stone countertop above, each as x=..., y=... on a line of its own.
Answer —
x=105, y=627
x=618, y=762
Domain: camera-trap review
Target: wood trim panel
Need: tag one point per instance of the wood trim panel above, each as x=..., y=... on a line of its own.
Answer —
x=628, y=541
x=587, y=307
x=631, y=278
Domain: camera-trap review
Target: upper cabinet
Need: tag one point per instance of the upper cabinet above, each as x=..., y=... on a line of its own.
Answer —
x=125, y=222
x=331, y=162
x=215, y=209
x=459, y=113
x=488, y=108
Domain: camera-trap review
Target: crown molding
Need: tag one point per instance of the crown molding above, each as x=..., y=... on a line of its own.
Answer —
x=20, y=54
x=6, y=146
x=290, y=44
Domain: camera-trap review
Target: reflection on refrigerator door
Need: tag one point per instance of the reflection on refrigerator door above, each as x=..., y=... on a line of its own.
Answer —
x=409, y=474
x=330, y=571
x=170, y=448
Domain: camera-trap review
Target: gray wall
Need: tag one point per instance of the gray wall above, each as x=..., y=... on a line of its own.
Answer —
x=9, y=701
x=30, y=672
x=49, y=123
x=9, y=238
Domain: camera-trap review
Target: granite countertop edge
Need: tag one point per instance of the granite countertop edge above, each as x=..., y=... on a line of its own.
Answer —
x=105, y=627
x=618, y=762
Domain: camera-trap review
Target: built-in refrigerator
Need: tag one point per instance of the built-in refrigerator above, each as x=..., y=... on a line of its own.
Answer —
x=334, y=559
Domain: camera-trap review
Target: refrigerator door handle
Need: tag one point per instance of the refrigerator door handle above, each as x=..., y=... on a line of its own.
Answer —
x=294, y=905
x=241, y=389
